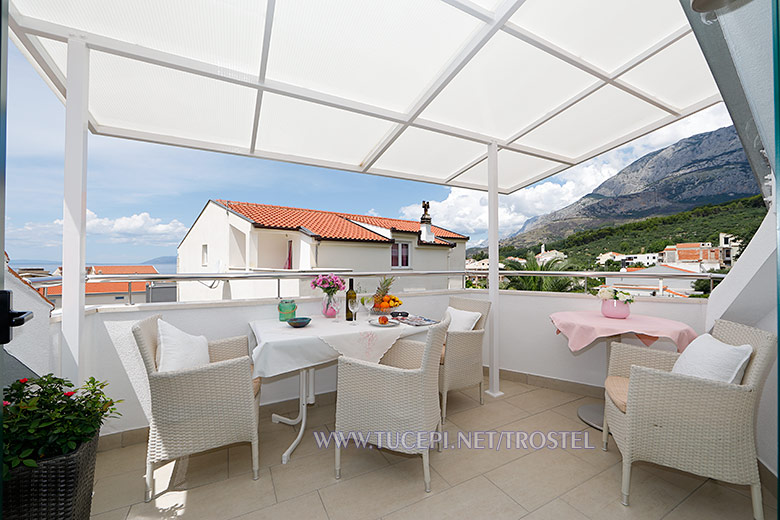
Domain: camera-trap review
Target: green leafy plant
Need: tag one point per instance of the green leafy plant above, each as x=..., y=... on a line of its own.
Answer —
x=47, y=417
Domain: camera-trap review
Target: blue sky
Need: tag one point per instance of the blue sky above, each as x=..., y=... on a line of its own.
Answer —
x=142, y=197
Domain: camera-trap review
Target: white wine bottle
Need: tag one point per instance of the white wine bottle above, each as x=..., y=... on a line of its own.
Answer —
x=351, y=295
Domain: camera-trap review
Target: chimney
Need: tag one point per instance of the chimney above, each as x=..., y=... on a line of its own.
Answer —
x=426, y=234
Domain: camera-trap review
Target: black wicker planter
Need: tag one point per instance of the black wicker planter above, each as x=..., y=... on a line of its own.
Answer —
x=59, y=488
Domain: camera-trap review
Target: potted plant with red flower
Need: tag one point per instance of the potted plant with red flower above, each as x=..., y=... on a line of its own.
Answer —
x=50, y=436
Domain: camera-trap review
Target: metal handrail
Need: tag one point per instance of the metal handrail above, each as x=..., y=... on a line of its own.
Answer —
x=286, y=274
x=604, y=274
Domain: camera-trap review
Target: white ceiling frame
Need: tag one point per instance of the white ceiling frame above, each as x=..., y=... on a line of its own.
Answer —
x=195, y=144
x=22, y=27
x=49, y=70
x=144, y=54
x=456, y=65
x=269, y=23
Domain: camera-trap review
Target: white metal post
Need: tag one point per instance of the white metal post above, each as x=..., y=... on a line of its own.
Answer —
x=493, y=267
x=74, y=214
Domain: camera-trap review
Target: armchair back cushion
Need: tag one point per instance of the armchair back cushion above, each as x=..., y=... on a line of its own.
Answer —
x=177, y=350
x=472, y=305
x=462, y=321
x=709, y=358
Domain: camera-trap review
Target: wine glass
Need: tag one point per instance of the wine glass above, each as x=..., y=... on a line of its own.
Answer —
x=354, y=306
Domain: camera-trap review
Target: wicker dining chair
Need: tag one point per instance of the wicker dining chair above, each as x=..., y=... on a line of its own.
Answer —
x=198, y=409
x=696, y=425
x=393, y=399
x=461, y=363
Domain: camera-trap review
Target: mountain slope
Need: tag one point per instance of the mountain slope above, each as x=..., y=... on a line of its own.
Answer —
x=707, y=168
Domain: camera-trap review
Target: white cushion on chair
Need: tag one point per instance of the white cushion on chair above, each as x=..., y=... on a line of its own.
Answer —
x=462, y=321
x=709, y=358
x=177, y=350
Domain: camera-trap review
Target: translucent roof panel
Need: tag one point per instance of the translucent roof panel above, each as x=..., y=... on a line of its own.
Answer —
x=505, y=87
x=596, y=121
x=138, y=96
x=429, y=154
x=295, y=127
x=225, y=33
x=682, y=60
x=414, y=89
x=513, y=169
x=386, y=54
x=607, y=33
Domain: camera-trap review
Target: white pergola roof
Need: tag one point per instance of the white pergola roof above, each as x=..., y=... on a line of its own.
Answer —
x=412, y=89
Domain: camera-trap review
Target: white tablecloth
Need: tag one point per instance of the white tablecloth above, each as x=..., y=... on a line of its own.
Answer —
x=282, y=349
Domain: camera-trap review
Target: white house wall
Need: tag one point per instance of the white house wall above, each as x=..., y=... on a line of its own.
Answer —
x=210, y=228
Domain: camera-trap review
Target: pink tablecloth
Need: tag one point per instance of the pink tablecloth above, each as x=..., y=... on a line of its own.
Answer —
x=584, y=327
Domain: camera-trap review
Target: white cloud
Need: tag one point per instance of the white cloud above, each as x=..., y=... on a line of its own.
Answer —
x=465, y=211
x=140, y=228
x=372, y=212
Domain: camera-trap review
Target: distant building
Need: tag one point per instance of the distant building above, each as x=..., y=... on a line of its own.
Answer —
x=695, y=256
x=653, y=286
x=646, y=259
x=483, y=264
x=603, y=258
x=548, y=256
x=730, y=247
x=516, y=259
x=104, y=293
x=236, y=237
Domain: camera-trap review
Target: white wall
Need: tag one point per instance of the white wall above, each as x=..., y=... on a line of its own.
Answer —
x=747, y=28
x=31, y=343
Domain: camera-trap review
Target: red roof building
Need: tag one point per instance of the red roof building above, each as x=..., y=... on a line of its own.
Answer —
x=329, y=225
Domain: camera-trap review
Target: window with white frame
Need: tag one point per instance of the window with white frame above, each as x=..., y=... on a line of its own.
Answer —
x=204, y=255
x=399, y=254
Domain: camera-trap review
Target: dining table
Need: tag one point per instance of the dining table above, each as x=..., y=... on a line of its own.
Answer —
x=582, y=328
x=282, y=349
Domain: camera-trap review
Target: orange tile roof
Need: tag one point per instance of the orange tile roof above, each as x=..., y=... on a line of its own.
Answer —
x=678, y=268
x=329, y=225
x=111, y=287
x=124, y=269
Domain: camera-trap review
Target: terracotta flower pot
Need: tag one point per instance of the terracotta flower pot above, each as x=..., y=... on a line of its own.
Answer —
x=615, y=309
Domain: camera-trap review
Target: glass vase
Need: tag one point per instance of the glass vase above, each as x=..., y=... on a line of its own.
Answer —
x=330, y=306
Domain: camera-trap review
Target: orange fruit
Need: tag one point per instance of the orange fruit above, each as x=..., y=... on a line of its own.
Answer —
x=386, y=298
x=384, y=305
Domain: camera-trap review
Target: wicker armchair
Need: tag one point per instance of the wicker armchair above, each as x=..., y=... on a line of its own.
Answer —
x=199, y=409
x=691, y=424
x=393, y=400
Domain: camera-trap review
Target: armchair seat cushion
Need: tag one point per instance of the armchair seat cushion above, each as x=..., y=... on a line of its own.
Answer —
x=617, y=390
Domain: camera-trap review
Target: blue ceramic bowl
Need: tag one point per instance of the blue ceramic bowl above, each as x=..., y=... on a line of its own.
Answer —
x=297, y=323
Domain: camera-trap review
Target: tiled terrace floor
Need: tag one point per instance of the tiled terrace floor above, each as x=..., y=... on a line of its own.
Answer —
x=500, y=484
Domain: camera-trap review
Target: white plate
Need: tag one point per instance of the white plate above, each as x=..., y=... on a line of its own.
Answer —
x=390, y=323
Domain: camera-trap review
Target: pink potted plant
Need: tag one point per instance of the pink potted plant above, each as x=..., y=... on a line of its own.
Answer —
x=614, y=303
x=330, y=285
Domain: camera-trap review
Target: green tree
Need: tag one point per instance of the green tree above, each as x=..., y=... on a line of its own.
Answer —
x=539, y=283
x=703, y=286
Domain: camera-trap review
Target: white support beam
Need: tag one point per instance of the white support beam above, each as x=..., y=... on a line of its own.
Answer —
x=74, y=214
x=269, y=24
x=495, y=310
x=506, y=11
